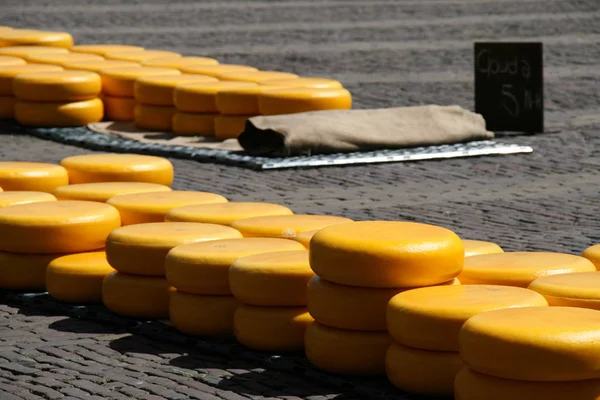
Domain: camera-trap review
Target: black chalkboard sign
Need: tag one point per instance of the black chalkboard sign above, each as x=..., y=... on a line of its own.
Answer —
x=509, y=86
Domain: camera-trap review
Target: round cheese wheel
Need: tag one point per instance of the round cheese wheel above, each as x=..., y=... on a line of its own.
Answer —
x=297, y=100
x=154, y=118
x=470, y=385
x=119, y=108
x=7, y=107
x=479, y=247
x=229, y=126
x=305, y=237
x=56, y=226
x=29, y=176
x=92, y=168
x=271, y=328
x=592, y=253
x=348, y=307
x=187, y=124
x=141, y=249
x=430, y=318
x=201, y=97
x=120, y=82
x=179, y=62
x=97, y=65
x=140, y=56
x=136, y=296
x=158, y=90
x=102, y=191
x=102, y=49
x=12, y=198
x=202, y=315
x=59, y=114
x=519, y=268
x=10, y=60
x=275, y=279
x=284, y=226
x=26, y=37
x=215, y=70
x=203, y=268
x=225, y=213
x=139, y=208
x=24, y=271
x=25, y=51
x=316, y=83
x=545, y=344
x=8, y=73
x=254, y=76
x=346, y=352
x=61, y=58
x=578, y=289
x=386, y=254
x=423, y=372
x=77, y=278
x=57, y=86
x=242, y=100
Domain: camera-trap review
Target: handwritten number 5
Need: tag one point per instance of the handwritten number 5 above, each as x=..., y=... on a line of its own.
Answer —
x=506, y=92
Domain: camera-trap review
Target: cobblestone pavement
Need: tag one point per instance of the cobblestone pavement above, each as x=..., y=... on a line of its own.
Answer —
x=388, y=53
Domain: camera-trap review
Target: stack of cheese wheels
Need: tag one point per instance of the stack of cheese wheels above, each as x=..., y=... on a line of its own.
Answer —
x=366, y=264
x=592, y=253
x=549, y=353
x=137, y=252
x=578, y=289
x=39, y=230
x=520, y=268
x=32, y=176
x=202, y=303
x=425, y=325
x=271, y=290
x=479, y=247
x=26, y=37
x=225, y=213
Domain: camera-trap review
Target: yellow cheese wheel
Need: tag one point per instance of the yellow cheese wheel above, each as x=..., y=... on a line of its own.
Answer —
x=158, y=90
x=305, y=237
x=225, y=213
x=203, y=268
x=520, y=268
x=275, y=279
x=24, y=271
x=229, y=126
x=186, y=124
x=25, y=51
x=12, y=198
x=348, y=307
x=140, y=56
x=97, y=66
x=30, y=176
x=120, y=82
x=8, y=73
x=546, y=344
x=470, y=385
x=215, y=70
x=141, y=249
x=119, y=108
x=56, y=226
x=202, y=315
x=102, y=191
x=297, y=100
x=179, y=62
x=59, y=114
x=430, y=318
x=77, y=278
x=136, y=296
x=580, y=289
x=316, y=83
x=61, y=58
x=26, y=37
x=254, y=76
x=11, y=60
x=92, y=168
x=138, y=208
x=102, y=49
x=242, y=100
x=201, y=97
x=154, y=118
x=57, y=86
x=422, y=372
x=479, y=247
x=346, y=352
x=7, y=107
x=284, y=226
x=592, y=253
x=271, y=328
x=386, y=254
